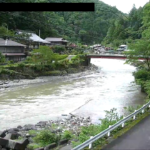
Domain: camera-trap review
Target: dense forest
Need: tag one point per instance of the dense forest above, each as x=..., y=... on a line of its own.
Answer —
x=105, y=25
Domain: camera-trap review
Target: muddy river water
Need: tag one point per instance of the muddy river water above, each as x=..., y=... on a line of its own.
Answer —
x=85, y=94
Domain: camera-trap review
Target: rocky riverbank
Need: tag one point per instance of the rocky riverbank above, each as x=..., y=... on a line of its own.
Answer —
x=23, y=137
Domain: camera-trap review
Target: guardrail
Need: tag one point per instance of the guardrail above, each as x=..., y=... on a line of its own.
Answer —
x=111, y=128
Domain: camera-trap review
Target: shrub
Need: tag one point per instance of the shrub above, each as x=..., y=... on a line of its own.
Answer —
x=67, y=135
x=33, y=146
x=57, y=57
x=142, y=75
x=72, y=70
x=111, y=118
x=62, y=65
x=33, y=132
x=46, y=137
x=52, y=73
x=147, y=88
x=58, y=49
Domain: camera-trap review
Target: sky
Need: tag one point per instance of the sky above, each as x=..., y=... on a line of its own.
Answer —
x=125, y=5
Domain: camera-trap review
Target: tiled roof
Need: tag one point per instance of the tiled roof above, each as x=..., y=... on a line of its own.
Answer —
x=9, y=43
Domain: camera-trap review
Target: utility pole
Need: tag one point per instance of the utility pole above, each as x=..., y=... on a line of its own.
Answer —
x=39, y=36
x=39, y=32
x=6, y=26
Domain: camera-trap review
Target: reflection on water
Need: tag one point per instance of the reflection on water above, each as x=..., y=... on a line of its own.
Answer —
x=87, y=94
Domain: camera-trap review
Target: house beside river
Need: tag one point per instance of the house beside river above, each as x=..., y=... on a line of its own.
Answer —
x=12, y=50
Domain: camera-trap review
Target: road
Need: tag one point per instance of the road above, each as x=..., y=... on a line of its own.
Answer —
x=70, y=57
x=137, y=138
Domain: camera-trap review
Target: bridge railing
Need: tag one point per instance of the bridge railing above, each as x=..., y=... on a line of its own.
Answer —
x=113, y=52
x=111, y=128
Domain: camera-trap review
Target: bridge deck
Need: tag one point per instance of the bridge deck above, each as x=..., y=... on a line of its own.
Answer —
x=137, y=138
x=110, y=56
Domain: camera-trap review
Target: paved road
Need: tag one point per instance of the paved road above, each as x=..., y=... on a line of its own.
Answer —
x=67, y=147
x=137, y=138
x=70, y=56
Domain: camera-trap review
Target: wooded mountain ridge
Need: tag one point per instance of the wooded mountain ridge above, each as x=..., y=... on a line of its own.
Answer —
x=105, y=25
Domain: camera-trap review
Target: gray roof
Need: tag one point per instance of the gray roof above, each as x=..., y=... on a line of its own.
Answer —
x=14, y=54
x=35, y=38
x=9, y=43
x=54, y=39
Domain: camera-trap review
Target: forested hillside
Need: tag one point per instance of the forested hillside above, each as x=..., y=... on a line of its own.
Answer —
x=106, y=25
x=84, y=27
x=126, y=28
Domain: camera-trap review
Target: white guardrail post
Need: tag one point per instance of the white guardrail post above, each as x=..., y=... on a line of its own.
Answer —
x=111, y=128
x=108, y=134
x=123, y=123
x=143, y=110
x=134, y=116
x=90, y=145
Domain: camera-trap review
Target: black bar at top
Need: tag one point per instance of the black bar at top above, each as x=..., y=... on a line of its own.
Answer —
x=47, y=6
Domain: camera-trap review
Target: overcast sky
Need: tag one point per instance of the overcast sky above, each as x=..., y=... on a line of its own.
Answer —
x=125, y=5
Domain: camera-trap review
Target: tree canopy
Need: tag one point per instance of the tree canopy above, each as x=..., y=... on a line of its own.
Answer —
x=105, y=25
x=83, y=27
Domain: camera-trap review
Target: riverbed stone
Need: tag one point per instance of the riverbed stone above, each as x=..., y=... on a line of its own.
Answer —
x=29, y=127
x=3, y=133
x=65, y=141
x=30, y=140
x=72, y=70
x=21, y=145
x=19, y=127
x=12, y=136
x=49, y=147
x=54, y=131
x=12, y=130
x=4, y=142
x=41, y=123
x=59, y=130
x=42, y=148
x=11, y=144
x=63, y=73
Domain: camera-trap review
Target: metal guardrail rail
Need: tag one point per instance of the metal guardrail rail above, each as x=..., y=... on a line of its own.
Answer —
x=111, y=128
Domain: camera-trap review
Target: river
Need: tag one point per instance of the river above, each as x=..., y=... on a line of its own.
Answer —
x=85, y=94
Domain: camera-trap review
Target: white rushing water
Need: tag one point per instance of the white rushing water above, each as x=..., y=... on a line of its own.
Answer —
x=84, y=94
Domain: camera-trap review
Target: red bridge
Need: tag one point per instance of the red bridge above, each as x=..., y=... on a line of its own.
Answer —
x=110, y=56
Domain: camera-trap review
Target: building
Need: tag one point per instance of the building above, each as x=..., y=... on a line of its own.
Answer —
x=72, y=45
x=122, y=48
x=32, y=40
x=12, y=50
x=56, y=41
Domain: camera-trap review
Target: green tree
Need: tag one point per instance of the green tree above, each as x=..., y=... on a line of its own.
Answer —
x=2, y=58
x=140, y=48
x=146, y=21
x=43, y=56
x=58, y=49
x=125, y=28
x=4, y=32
